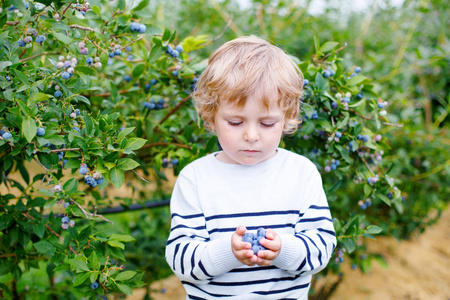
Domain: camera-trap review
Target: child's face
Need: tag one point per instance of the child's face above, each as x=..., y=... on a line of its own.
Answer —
x=248, y=135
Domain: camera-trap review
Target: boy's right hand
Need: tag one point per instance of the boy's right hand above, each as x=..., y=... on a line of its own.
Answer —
x=242, y=250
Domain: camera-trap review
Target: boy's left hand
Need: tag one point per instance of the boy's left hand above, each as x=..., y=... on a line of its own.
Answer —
x=272, y=243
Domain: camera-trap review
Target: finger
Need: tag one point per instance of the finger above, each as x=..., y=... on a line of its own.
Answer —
x=241, y=230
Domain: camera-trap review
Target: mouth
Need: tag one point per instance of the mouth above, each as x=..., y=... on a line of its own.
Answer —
x=251, y=151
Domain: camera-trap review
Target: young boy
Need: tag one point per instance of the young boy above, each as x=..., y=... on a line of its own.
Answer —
x=248, y=96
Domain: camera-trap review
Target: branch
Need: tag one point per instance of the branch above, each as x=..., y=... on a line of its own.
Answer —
x=140, y=176
x=52, y=231
x=65, y=150
x=47, y=171
x=165, y=144
x=89, y=215
x=368, y=118
x=37, y=55
x=81, y=27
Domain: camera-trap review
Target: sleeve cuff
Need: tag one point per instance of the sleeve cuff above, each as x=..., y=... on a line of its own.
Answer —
x=290, y=252
x=220, y=257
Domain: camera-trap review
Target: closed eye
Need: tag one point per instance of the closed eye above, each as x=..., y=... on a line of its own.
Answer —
x=268, y=124
x=234, y=123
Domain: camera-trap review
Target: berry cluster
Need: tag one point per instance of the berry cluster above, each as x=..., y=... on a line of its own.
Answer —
x=254, y=239
x=114, y=50
x=94, y=180
x=364, y=204
x=167, y=162
x=332, y=166
x=372, y=180
x=28, y=39
x=154, y=105
x=149, y=85
x=174, y=52
x=68, y=63
x=328, y=73
x=83, y=8
x=139, y=28
x=339, y=256
x=67, y=222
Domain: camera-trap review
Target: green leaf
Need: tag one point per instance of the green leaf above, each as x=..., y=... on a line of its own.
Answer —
x=86, y=70
x=4, y=64
x=349, y=244
x=44, y=247
x=135, y=143
x=143, y=4
x=40, y=97
x=166, y=35
x=29, y=129
x=328, y=46
x=94, y=262
x=138, y=70
x=71, y=185
x=39, y=230
x=127, y=164
x=117, y=177
x=80, y=278
x=320, y=82
x=79, y=264
x=62, y=37
x=125, y=289
x=125, y=275
x=373, y=229
x=82, y=99
x=355, y=80
x=116, y=244
x=123, y=133
x=47, y=193
x=122, y=237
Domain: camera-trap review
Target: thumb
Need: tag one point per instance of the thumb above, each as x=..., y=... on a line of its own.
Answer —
x=241, y=230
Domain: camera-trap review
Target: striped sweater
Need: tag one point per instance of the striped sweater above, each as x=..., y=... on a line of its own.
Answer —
x=212, y=198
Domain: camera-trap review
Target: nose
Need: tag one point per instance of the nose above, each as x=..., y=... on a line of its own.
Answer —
x=251, y=134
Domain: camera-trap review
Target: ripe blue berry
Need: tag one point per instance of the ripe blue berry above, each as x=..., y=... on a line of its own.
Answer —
x=334, y=105
x=100, y=180
x=169, y=49
x=175, y=73
x=83, y=169
x=127, y=78
x=7, y=135
x=326, y=73
x=174, y=162
x=142, y=28
x=174, y=53
x=134, y=26
x=40, y=39
x=65, y=220
x=314, y=115
x=111, y=54
x=89, y=180
x=65, y=75
x=357, y=69
x=179, y=48
x=94, y=285
x=153, y=81
x=89, y=60
x=21, y=43
x=77, y=112
x=117, y=52
x=305, y=82
x=40, y=131
x=57, y=94
x=338, y=134
x=365, y=138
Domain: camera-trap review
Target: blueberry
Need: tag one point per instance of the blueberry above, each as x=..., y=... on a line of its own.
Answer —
x=359, y=96
x=305, y=82
x=357, y=69
x=67, y=64
x=2, y=132
x=64, y=162
x=58, y=93
x=76, y=129
x=40, y=39
x=128, y=48
x=261, y=232
x=255, y=249
x=359, y=137
x=134, y=26
x=326, y=73
x=100, y=180
x=174, y=53
x=65, y=75
x=89, y=180
x=248, y=237
x=142, y=28
x=65, y=220
x=153, y=81
x=165, y=162
x=7, y=135
x=338, y=134
x=40, y=131
x=179, y=48
x=21, y=43
x=175, y=73
x=352, y=146
x=169, y=49
x=127, y=78
x=174, y=162
x=84, y=169
x=111, y=54
x=94, y=285
x=117, y=52
x=148, y=86
x=333, y=167
x=365, y=138
x=77, y=112
x=314, y=115
x=334, y=105
x=89, y=60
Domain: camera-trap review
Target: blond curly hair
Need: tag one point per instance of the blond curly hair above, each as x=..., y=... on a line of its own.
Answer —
x=249, y=66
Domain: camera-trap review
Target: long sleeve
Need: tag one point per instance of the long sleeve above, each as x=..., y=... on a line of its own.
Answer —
x=310, y=248
x=189, y=252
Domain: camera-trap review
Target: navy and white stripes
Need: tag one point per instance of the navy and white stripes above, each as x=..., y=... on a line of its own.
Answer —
x=211, y=199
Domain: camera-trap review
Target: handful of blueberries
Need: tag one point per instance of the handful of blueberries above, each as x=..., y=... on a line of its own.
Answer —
x=254, y=239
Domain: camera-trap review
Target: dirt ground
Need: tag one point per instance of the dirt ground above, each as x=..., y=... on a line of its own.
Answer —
x=419, y=269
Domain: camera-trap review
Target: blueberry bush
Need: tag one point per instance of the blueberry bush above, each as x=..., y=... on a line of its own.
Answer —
x=96, y=97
